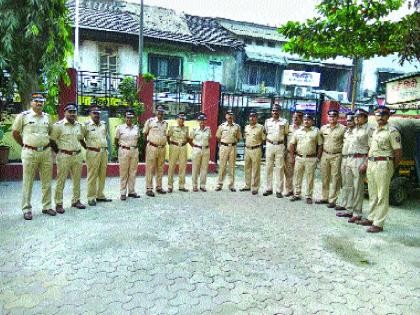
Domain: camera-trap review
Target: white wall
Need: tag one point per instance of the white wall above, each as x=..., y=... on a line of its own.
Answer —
x=128, y=60
x=88, y=56
x=369, y=78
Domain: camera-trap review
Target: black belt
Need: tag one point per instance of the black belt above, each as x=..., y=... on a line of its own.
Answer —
x=358, y=155
x=127, y=148
x=200, y=147
x=275, y=142
x=69, y=152
x=228, y=144
x=380, y=158
x=156, y=145
x=253, y=147
x=38, y=149
x=331, y=152
x=177, y=143
x=95, y=149
x=308, y=156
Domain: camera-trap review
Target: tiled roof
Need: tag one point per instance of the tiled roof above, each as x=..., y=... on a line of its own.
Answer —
x=159, y=23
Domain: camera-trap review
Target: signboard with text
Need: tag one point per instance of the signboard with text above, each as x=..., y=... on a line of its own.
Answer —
x=301, y=78
x=403, y=91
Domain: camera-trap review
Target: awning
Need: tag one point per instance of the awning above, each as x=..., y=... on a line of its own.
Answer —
x=265, y=54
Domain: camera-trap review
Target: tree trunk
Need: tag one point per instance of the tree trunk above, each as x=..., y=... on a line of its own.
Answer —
x=355, y=79
x=26, y=88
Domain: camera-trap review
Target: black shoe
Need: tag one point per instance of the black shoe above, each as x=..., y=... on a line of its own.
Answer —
x=279, y=195
x=103, y=200
x=232, y=189
x=160, y=191
x=245, y=189
x=268, y=193
x=150, y=193
x=255, y=192
x=92, y=203
x=50, y=212
x=218, y=188
x=27, y=215
x=295, y=198
x=133, y=195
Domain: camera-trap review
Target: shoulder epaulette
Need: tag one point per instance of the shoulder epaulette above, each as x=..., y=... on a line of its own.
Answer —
x=26, y=112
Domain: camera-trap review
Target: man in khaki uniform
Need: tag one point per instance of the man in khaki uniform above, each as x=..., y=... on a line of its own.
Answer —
x=346, y=194
x=276, y=130
x=95, y=142
x=65, y=139
x=333, y=137
x=155, y=132
x=126, y=140
x=178, y=138
x=288, y=167
x=228, y=134
x=199, y=141
x=384, y=157
x=306, y=150
x=31, y=131
x=254, y=137
x=356, y=161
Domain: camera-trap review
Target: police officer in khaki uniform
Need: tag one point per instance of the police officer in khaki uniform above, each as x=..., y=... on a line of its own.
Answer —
x=95, y=142
x=65, y=140
x=384, y=157
x=276, y=130
x=297, y=120
x=178, y=137
x=356, y=164
x=31, y=131
x=346, y=194
x=254, y=137
x=333, y=137
x=126, y=140
x=155, y=132
x=228, y=134
x=306, y=150
x=199, y=141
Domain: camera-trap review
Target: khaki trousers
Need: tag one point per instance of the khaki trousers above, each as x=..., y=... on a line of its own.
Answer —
x=274, y=156
x=155, y=160
x=227, y=154
x=178, y=155
x=65, y=164
x=379, y=174
x=128, y=160
x=288, y=173
x=96, y=163
x=32, y=161
x=358, y=185
x=252, y=168
x=304, y=167
x=330, y=173
x=347, y=191
x=200, y=163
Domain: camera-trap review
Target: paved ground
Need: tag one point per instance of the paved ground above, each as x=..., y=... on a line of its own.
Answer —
x=205, y=253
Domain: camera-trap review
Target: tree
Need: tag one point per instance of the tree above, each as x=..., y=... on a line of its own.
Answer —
x=35, y=44
x=350, y=28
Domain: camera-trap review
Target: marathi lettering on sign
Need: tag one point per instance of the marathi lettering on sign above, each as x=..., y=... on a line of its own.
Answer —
x=402, y=91
x=301, y=78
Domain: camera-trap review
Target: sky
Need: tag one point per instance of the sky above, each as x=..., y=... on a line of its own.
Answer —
x=269, y=12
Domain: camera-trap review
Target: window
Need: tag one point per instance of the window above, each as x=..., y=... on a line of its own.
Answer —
x=258, y=73
x=108, y=60
x=271, y=44
x=259, y=42
x=167, y=67
x=248, y=41
x=215, y=71
x=384, y=76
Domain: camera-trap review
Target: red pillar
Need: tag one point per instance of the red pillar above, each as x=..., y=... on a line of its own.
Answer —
x=67, y=94
x=146, y=97
x=326, y=106
x=210, y=100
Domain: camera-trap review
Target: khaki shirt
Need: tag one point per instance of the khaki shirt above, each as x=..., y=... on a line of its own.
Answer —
x=67, y=135
x=127, y=136
x=292, y=129
x=348, y=135
x=155, y=130
x=201, y=137
x=276, y=130
x=33, y=128
x=306, y=140
x=360, y=141
x=333, y=138
x=178, y=134
x=384, y=141
x=254, y=135
x=228, y=133
x=95, y=135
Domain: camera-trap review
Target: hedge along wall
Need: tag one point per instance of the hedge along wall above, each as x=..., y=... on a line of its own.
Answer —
x=15, y=149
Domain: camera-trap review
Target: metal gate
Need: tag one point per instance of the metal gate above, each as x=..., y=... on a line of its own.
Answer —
x=243, y=103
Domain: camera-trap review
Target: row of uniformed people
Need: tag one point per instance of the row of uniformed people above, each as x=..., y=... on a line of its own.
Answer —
x=294, y=150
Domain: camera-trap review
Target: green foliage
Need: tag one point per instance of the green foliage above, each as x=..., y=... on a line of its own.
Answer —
x=35, y=44
x=130, y=94
x=148, y=77
x=349, y=28
x=5, y=124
